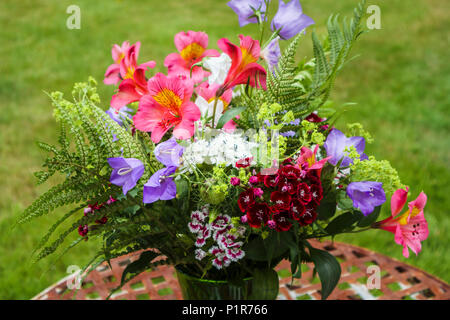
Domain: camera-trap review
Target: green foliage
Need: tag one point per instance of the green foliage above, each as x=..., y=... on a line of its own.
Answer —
x=328, y=268
x=306, y=88
x=82, y=158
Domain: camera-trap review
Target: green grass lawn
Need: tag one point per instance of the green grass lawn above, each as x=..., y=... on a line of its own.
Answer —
x=400, y=82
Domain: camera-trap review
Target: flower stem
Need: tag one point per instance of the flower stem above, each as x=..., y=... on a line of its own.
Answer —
x=213, y=124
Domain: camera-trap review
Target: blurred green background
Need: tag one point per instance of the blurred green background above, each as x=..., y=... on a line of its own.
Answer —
x=400, y=82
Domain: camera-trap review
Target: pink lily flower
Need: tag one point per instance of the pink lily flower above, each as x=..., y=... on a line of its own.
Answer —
x=130, y=90
x=307, y=159
x=125, y=58
x=244, y=67
x=410, y=228
x=112, y=74
x=191, y=46
x=167, y=105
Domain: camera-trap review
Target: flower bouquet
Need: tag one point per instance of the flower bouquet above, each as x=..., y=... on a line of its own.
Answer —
x=224, y=166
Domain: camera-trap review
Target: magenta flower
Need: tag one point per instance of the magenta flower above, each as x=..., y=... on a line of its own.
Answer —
x=126, y=172
x=411, y=227
x=245, y=10
x=290, y=19
x=366, y=195
x=169, y=153
x=167, y=105
x=192, y=48
x=160, y=186
x=336, y=144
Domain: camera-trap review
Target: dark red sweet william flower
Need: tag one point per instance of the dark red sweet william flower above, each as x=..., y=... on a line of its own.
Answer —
x=281, y=221
x=271, y=181
x=313, y=117
x=304, y=193
x=316, y=193
x=309, y=216
x=287, y=185
x=313, y=176
x=281, y=201
x=297, y=209
x=246, y=199
x=244, y=163
x=290, y=172
x=258, y=214
x=83, y=230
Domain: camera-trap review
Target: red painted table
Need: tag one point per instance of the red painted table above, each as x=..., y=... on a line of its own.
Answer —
x=398, y=280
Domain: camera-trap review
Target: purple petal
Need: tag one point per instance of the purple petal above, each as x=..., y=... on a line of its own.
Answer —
x=117, y=163
x=290, y=19
x=243, y=9
x=169, y=153
x=366, y=195
x=335, y=145
x=169, y=190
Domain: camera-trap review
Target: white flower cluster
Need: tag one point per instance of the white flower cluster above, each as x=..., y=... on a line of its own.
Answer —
x=224, y=149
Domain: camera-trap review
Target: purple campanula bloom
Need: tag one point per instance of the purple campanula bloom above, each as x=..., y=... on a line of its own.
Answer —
x=272, y=53
x=289, y=133
x=246, y=8
x=160, y=186
x=169, y=153
x=366, y=195
x=118, y=116
x=126, y=172
x=290, y=19
x=337, y=142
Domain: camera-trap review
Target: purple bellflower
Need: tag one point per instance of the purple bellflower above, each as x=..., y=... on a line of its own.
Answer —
x=118, y=116
x=169, y=153
x=272, y=54
x=366, y=195
x=336, y=144
x=290, y=19
x=160, y=186
x=245, y=10
x=126, y=172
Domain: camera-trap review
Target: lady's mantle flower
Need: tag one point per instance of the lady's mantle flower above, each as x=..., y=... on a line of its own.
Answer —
x=245, y=10
x=290, y=19
x=126, y=172
x=366, y=195
x=160, y=186
x=410, y=228
x=336, y=145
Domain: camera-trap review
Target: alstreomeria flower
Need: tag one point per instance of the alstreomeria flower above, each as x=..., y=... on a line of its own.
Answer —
x=410, y=228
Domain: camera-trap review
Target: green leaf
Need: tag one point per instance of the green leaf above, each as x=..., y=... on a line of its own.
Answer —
x=265, y=285
x=344, y=202
x=138, y=266
x=341, y=223
x=327, y=207
x=328, y=269
x=228, y=115
x=366, y=221
x=274, y=246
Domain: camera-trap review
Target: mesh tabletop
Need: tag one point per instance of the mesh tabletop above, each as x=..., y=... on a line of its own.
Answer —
x=398, y=280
